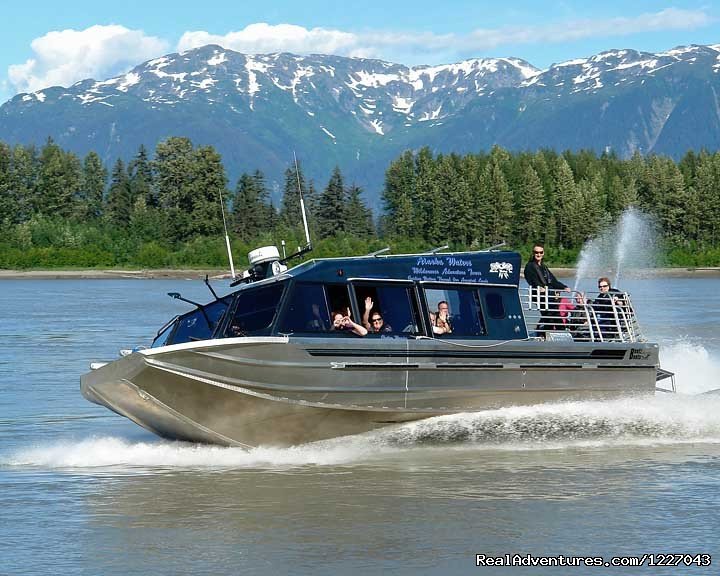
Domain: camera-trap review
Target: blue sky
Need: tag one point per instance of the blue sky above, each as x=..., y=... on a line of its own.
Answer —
x=58, y=43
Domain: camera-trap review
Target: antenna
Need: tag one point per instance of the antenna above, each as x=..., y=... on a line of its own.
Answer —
x=302, y=202
x=438, y=249
x=227, y=238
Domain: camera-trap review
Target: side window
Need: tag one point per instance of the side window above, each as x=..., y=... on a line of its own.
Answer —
x=391, y=308
x=455, y=312
x=255, y=310
x=494, y=305
x=307, y=310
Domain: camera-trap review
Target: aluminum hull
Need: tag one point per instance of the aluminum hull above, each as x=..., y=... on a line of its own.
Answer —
x=280, y=391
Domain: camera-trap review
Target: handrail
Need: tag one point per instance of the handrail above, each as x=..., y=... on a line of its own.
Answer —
x=587, y=316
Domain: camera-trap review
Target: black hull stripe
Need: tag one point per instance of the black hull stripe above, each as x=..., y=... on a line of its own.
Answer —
x=606, y=354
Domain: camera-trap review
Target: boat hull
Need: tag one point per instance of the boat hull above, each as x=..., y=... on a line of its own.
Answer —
x=280, y=391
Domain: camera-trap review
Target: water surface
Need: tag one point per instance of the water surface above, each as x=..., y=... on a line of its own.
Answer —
x=84, y=491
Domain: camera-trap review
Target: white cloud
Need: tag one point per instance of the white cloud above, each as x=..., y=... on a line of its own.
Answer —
x=262, y=38
x=64, y=57
x=669, y=19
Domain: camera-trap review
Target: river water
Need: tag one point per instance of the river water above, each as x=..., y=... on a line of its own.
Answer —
x=84, y=491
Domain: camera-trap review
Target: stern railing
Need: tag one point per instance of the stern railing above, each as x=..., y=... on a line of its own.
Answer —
x=585, y=316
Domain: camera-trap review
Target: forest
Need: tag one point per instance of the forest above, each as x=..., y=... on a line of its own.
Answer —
x=165, y=209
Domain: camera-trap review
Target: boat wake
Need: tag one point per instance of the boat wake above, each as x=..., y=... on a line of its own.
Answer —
x=691, y=416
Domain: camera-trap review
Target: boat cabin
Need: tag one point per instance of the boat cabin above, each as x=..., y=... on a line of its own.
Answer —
x=478, y=290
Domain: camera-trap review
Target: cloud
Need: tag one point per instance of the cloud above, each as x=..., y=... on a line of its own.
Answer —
x=669, y=19
x=262, y=38
x=64, y=57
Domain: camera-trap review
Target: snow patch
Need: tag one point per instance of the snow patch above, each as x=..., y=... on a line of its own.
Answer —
x=40, y=96
x=327, y=132
x=377, y=125
x=403, y=105
x=130, y=79
x=217, y=59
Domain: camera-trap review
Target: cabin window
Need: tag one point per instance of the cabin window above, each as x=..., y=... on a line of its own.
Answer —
x=255, y=310
x=494, y=305
x=307, y=310
x=196, y=325
x=393, y=304
x=464, y=312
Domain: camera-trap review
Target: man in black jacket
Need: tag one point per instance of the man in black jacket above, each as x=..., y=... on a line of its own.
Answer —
x=543, y=283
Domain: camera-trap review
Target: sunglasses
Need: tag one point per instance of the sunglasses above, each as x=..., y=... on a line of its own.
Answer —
x=541, y=252
x=377, y=319
x=604, y=285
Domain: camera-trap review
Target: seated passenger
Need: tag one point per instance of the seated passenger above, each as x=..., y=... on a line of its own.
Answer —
x=442, y=324
x=345, y=323
x=373, y=321
x=606, y=307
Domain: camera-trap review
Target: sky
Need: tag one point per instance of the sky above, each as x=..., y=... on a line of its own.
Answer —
x=57, y=43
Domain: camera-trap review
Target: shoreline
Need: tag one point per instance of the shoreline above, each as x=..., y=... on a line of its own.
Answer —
x=218, y=274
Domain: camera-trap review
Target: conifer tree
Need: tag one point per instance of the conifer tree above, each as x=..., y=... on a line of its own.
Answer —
x=398, y=196
x=530, y=208
x=119, y=201
x=567, y=199
x=358, y=217
x=250, y=213
x=141, y=178
x=23, y=181
x=89, y=203
x=57, y=183
x=9, y=207
x=331, y=213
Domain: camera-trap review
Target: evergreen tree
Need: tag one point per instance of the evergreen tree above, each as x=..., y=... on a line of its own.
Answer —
x=173, y=176
x=290, y=213
x=398, y=196
x=23, y=181
x=358, y=217
x=567, y=199
x=251, y=213
x=119, y=200
x=331, y=213
x=141, y=179
x=89, y=203
x=9, y=207
x=209, y=190
x=56, y=184
x=531, y=208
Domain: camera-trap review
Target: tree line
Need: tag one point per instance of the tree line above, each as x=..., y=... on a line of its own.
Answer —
x=57, y=209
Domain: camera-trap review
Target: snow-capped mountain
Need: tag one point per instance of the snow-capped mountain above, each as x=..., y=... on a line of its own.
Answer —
x=360, y=113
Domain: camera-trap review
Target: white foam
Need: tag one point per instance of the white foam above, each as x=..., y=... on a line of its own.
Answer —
x=113, y=454
x=696, y=371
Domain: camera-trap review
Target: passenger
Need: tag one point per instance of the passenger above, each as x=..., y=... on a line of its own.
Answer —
x=607, y=308
x=373, y=321
x=542, y=281
x=442, y=323
x=344, y=322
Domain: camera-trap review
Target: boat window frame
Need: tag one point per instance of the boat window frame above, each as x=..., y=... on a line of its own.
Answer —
x=324, y=285
x=232, y=309
x=414, y=301
x=459, y=286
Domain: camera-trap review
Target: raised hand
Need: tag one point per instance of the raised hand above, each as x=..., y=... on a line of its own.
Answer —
x=368, y=303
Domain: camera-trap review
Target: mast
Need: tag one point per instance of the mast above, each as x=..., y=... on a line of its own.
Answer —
x=302, y=202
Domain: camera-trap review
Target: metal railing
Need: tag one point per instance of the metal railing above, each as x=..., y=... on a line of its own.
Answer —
x=584, y=316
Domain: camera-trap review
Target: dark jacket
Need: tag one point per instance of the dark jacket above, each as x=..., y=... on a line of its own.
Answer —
x=540, y=275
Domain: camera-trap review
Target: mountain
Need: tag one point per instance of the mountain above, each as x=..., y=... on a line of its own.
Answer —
x=361, y=113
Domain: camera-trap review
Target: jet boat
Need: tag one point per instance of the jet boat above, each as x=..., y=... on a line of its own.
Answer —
x=266, y=364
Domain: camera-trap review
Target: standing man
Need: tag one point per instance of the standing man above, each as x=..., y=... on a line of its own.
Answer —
x=543, y=282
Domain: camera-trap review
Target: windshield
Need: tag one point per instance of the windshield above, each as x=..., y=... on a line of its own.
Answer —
x=198, y=324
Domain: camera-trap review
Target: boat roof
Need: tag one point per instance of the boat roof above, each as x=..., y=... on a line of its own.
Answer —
x=482, y=267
